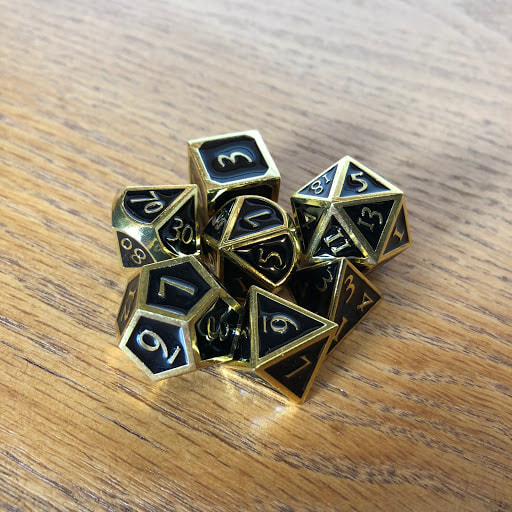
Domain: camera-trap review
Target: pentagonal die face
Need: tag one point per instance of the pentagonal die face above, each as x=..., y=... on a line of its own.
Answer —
x=230, y=165
x=156, y=223
x=349, y=211
x=251, y=240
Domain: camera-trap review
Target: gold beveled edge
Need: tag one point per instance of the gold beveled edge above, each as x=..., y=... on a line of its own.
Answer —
x=328, y=326
x=182, y=324
x=398, y=250
x=137, y=272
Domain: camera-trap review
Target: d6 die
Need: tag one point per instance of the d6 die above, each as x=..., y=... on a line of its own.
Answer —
x=282, y=343
x=226, y=166
x=350, y=211
x=175, y=317
x=336, y=290
x=251, y=240
x=155, y=223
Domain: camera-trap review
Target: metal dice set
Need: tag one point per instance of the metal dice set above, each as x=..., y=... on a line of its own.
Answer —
x=215, y=258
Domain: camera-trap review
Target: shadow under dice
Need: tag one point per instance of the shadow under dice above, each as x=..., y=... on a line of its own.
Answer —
x=336, y=290
x=350, y=211
x=251, y=240
x=155, y=224
x=175, y=317
x=281, y=343
x=226, y=166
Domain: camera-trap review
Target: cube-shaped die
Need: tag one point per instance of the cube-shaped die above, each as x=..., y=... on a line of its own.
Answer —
x=282, y=343
x=226, y=166
x=175, y=317
x=350, y=211
x=337, y=290
x=251, y=240
x=156, y=223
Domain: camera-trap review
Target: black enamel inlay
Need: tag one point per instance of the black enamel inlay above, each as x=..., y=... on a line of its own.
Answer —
x=272, y=257
x=128, y=304
x=335, y=243
x=399, y=233
x=313, y=287
x=217, y=223
x=248, y=190
x=215, y=331
x=359, y=183
x=321, y=187
x=133, y=253
x=228, y=160
x=279, y=325
x=146, y=205
x=243, y=347
x=295, y=371
x=160, y=346
x=308, y=218
x=177, y=288
x=370, y=219
x=356, y=299
x=256, y=215
x=178, y=234
x=236, y=281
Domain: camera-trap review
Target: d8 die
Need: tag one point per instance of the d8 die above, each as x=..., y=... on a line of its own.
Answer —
x=336, y=290
x=282, y=343
x=226, y=166
x=251, y=240
x=175, y=317
x=350, y=211
x=155, y=223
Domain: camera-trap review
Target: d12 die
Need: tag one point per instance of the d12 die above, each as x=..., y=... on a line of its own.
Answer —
x=350, y=211
x=155, y=223
x=175, y=317
x=226, y=166
x=336, y=290
x=282, y=343
x=251, y=240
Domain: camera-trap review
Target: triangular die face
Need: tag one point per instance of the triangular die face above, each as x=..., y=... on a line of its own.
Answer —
x=179, y=234
x=280, y=325
x=146, y=205
x=308, y=218
x=321, y=187
x=356, y=298
x=358, y=183
x=256, y=215
x=399, y=233
x=217, y=224
x=296, y=371
x=133, y=253
x=371, y=219
x=272, y=258
x=336, y=243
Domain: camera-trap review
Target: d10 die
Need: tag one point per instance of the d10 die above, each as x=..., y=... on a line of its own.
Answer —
x=175, y=317
x=336, y=290
x=155, y=223
x=282, y=343
x=226, y=166
x=350, y=211
x=251, y=240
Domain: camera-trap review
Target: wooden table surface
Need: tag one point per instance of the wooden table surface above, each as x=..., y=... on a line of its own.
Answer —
x=414, y=411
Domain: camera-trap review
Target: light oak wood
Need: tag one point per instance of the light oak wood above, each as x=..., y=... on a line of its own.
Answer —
x=414, y=411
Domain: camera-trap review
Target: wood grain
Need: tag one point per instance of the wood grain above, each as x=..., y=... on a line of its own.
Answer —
x=414, y=411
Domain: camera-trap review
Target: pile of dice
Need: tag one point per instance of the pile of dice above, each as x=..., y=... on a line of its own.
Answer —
x=218, y=257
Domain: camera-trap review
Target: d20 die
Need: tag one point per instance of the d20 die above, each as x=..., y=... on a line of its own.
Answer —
x=336, y=290
x=155, y=223
x=226, y=166
x=350, y=211
x=251, y=240
x=175, y=317
x=282, y=343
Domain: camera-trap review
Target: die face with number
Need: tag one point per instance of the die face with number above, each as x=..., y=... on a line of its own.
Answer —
x=251, y=241
x=337, y=290
x=230, y=165
x=350, y=211
x=175, y=317
x=156, y=223
x=282, y=343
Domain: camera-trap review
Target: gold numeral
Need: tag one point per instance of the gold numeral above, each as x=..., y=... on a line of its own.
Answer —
x=307, y=362
x=138, y=255
x=183, y=232
x=154, y=203
x=279, y=323
x=332, y=238
x=350, y=286
x=261, y=213
x=325, y=281
x=367, y=301
x=158, y=342
x=356, y=177
x=371, y=214
x=340, y=328
x=181, y=285
x=398, y=234
x=127, y=306
x=232, y=158
x=264, y=259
